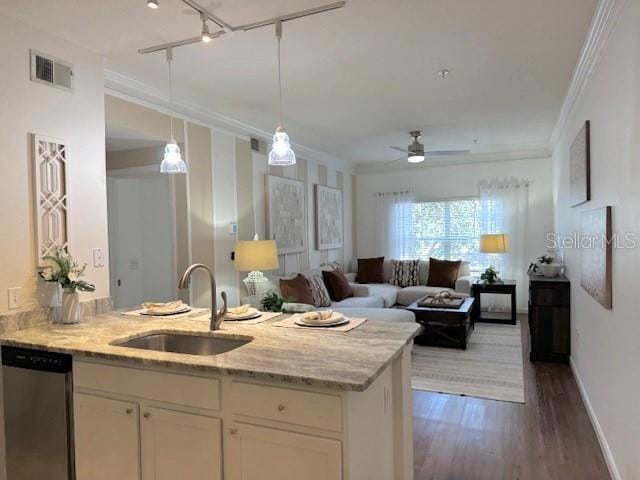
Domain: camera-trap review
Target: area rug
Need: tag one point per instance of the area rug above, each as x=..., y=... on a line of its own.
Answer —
x=491, y=366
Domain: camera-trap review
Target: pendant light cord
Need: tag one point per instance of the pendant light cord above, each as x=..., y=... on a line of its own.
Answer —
x=279, y=36
x=169, y=59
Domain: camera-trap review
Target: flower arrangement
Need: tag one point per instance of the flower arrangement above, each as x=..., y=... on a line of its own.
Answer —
x=544, y=259
x=65, y=271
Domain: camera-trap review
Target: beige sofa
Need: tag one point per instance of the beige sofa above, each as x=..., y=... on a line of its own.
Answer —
x=392, y=295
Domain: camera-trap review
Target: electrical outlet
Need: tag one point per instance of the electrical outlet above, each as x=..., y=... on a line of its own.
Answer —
x=14, y=297
x=98, y=258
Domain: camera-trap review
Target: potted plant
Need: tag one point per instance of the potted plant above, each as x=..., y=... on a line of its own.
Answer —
x=66, y=271
x=490, y=275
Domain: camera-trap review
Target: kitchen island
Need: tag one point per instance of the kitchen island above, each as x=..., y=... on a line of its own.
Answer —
x=287, y=404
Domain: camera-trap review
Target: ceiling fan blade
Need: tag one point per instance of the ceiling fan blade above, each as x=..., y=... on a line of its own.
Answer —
x=446, y=153
x=403, y=150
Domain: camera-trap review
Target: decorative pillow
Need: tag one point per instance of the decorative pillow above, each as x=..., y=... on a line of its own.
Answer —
x=404, y=273
x=319, y=290
x=443, y=273
x=370, y=270
x=297, y=289
x=337, y=285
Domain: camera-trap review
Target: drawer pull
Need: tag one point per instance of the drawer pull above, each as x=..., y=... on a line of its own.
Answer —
x=233, y=431
x=146, y=415
x=129, y=411
x=281, y=407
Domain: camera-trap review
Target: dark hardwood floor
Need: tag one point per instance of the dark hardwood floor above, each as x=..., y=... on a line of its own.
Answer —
x=548, y=438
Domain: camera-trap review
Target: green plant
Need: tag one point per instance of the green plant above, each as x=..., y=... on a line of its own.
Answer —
x=490, y=275
x=272, y=302
x=66, y=271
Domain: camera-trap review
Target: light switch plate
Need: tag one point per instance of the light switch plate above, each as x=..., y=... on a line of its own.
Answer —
x=14, y=297
x=98, y=258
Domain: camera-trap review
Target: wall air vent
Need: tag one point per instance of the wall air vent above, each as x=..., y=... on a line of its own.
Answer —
x=51, y=71
x=255, y=144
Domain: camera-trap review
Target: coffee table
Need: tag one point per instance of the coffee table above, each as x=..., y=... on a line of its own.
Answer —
x=444, y=327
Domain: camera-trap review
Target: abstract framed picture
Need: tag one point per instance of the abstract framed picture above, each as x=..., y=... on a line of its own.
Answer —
x=597, y=249
x=329, y=234
x=286, y=222
x=580, y=167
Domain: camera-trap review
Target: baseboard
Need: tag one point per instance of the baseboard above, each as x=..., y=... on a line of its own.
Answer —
x=608, y=456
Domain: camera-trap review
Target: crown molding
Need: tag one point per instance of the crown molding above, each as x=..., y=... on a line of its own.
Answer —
x=131, y=89
x=502, y=156
x=602, y=24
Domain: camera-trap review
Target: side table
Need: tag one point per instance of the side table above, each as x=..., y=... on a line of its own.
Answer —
x=504, y=287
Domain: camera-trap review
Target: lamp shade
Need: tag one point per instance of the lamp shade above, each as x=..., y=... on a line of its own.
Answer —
x=254, y=255
x=494, y=243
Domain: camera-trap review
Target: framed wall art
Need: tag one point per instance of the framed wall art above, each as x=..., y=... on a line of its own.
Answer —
x=329, y=228
x=596, y=245
x=286, y=213
x=580, y=167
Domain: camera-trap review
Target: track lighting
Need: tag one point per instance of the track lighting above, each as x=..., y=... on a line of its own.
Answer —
x=206, y=34
x=152, y=4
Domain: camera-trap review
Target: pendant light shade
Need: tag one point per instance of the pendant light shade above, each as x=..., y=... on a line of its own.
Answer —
x=172, y=161
x=281, y=153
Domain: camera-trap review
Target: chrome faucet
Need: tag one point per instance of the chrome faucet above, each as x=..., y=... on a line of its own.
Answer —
x=216, y=317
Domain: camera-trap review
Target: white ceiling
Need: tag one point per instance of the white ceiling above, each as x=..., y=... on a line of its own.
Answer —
x=356, y=80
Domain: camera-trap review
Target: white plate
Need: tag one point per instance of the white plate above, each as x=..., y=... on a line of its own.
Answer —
x=342, y=321
x=184, y=309
x=251, y=313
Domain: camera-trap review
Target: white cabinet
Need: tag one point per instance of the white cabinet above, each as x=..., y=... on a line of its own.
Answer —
x=258, y=453
x=180, y=445
x=106, y=438
x=122, y=440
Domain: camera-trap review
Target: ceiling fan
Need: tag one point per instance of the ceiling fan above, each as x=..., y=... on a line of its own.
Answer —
x=415, y=151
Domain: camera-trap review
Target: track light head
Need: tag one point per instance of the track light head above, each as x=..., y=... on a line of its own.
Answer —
x=206, y=34
x=153, y=4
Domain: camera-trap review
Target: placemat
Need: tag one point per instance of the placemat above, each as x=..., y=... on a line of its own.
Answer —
x=289, y=322
x=194, y=312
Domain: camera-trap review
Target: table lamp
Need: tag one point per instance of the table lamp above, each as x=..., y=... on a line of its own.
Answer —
x=493, y=243
x=253, y=256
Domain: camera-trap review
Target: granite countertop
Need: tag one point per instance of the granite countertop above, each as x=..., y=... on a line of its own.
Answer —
x=341, y=360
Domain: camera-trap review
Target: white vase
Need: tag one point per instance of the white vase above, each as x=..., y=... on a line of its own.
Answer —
x=551, y=269
x=70, y=307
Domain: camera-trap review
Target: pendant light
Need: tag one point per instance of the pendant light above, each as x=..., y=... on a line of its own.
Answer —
x=172, y=161
x=281, y=152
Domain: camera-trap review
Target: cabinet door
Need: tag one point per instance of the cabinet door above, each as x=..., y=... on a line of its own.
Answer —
x=257, y=453
x=106, y=438
x=180, y=445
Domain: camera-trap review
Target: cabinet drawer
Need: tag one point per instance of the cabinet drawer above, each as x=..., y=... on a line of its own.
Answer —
x=550, y=297
x=297, y=407
x=181, y=389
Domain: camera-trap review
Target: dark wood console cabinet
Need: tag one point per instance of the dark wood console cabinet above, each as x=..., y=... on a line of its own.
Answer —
x=549, y=319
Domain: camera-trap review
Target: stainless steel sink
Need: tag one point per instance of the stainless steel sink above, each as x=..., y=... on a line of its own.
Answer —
x=181, y=343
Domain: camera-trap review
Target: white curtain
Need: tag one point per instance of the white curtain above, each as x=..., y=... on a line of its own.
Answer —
x=394, y=221
x=504, y=208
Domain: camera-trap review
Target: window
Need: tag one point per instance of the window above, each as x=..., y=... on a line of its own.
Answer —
x=451, y=230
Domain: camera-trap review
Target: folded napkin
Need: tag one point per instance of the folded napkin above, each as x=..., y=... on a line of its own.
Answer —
x=164, y=307
x=241, y=310
x=317, y=317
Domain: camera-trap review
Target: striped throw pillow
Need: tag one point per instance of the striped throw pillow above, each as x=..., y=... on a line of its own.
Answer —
x=404, y=273
x=319, y=290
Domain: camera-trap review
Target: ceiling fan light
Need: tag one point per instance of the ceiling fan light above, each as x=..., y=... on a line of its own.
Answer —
x=172, y=161
x=281, y=152
x=153, y=4
x=416, y=158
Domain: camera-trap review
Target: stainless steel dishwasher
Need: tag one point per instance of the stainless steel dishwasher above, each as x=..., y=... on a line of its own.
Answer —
x=37, y=392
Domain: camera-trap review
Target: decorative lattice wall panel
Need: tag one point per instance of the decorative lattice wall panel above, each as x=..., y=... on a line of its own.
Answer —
x=51, y=201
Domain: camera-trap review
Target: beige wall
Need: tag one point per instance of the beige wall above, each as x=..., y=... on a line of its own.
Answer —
x=78, y=118
x=605, y=343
